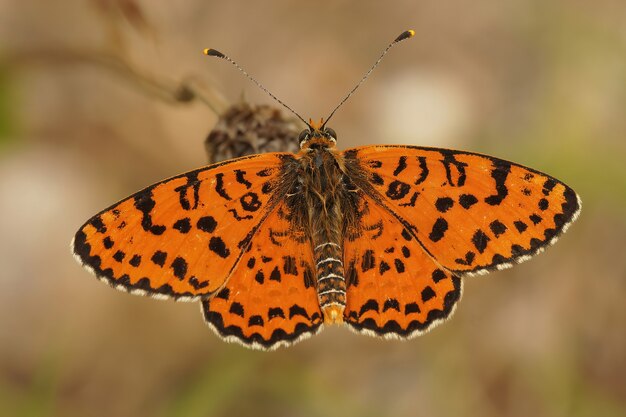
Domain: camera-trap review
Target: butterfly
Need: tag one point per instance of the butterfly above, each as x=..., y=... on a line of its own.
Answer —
x=277, y=245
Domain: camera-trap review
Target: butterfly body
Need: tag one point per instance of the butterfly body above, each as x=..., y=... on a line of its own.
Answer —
x=316, y=204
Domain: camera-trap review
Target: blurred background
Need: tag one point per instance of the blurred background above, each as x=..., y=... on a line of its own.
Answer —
x=99, y=98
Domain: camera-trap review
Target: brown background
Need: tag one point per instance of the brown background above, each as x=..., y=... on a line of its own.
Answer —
x=87, y=116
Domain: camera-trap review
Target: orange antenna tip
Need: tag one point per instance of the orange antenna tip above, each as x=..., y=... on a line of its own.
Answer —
x=405, y=35
x=213, y=52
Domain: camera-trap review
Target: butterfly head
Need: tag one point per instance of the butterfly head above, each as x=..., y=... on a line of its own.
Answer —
x=317, y=136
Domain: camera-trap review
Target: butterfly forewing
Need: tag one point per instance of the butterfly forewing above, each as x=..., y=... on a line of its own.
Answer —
x=470, y=212
x=181, y=237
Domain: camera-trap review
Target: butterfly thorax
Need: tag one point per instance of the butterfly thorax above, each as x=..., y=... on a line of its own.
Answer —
x=317, y=203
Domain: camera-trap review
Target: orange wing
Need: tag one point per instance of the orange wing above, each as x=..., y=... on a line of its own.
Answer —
x=395, y=289
x=470, y=212
x=270, y=300
x=181, y=237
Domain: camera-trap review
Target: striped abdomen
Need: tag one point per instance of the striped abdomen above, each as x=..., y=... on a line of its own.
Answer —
x=331, y=284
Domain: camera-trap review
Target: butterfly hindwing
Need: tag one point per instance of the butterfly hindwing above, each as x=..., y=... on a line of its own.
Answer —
x=470, y=212
x=181, y=237
x=395, y=290
x=270, y=300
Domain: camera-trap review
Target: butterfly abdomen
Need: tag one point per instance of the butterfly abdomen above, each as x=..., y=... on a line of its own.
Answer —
x=331, y=283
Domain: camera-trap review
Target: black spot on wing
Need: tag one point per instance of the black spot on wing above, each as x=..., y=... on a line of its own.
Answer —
x=497, y=228
x=438, y=230
x=240, y=176
x=397, y=190
x=423, y=170
x=480, y=240
x=535, y=243
x=499, y=173
x=411, y=202
x=237, y=309
x=159, y=258
x=377, y=179
x=468, y=260
x=296, y=310
x=259, y=277
x=183, y=225
x=368, y=262
x=224, y=294
x=194, y=282
x=289, y=265
x=498, y=259
x=391, y=303
x=267, y=187
x=517, y=250
x=219, y=186
x=383, y=267
x=135, y=261
x=217, y=245
x=427, y=294
x=206, y=224
x=275, y=274
x=467, y=200
x=144, y=203
x=438, y=275
x=265, y=172
x=179, y=266
x=308, y=277
x=98, y=224
x=444, y=204
x=238, y=217
x=369, y=305
x=274, y=312
x=251, y=262
x=107, y=242
x=411, y=308
x=399, y=265
x=255, y=320
x=548, y=186
x=250, y=201
x=520, y=226
x=119, y=256
x=401, y=166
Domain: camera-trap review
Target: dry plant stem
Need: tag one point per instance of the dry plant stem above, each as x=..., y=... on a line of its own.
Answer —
x=166, y=90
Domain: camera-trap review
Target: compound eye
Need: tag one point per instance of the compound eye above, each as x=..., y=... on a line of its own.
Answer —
x=331, y=133
x=304, y=135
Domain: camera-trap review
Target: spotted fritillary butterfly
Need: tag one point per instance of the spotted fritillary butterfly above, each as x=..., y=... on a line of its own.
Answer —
x=276, y=245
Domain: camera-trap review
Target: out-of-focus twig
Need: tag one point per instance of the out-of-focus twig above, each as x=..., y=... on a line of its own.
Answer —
x=185, y=91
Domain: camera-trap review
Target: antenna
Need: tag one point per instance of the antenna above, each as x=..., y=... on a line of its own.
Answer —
x=216, y=53
x=404, y=35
